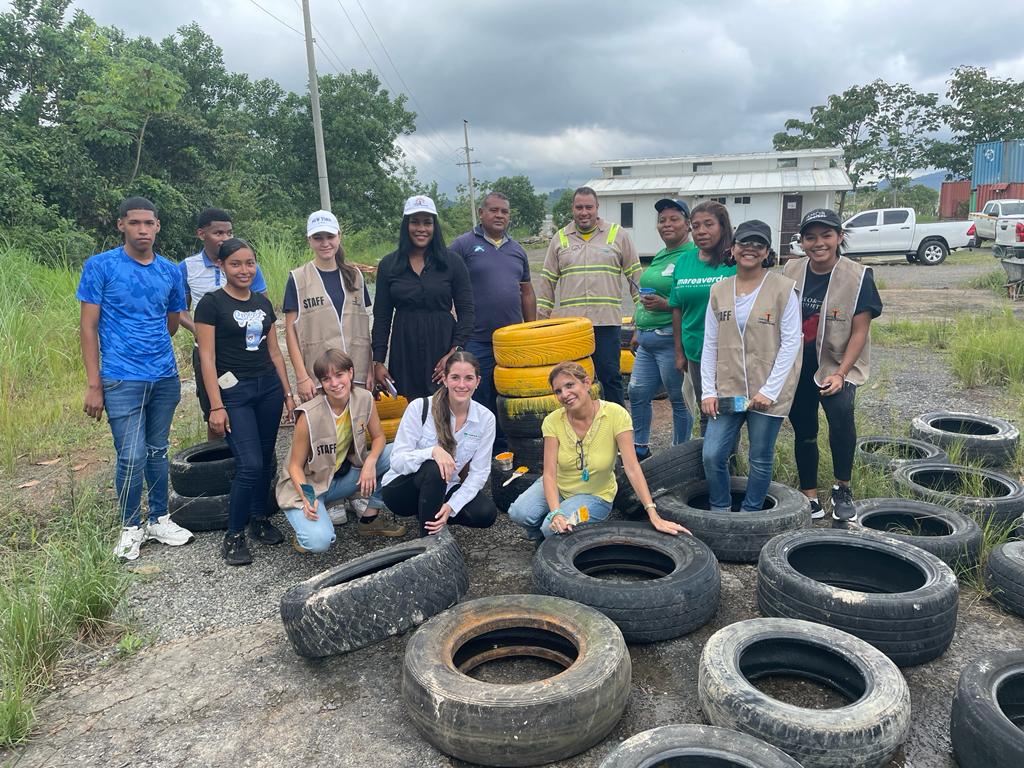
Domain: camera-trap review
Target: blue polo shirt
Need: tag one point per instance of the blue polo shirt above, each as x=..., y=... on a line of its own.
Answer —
x=134, y=301
x=495, y=273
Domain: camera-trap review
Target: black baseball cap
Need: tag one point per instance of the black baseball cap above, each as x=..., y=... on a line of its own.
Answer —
x=751, y=229
x=671, y=202
x=825, y=216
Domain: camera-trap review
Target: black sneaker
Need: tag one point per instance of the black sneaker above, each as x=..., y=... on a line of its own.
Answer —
x=265, y=531
x=816, y=511
x=235, y=550
x=842, y=503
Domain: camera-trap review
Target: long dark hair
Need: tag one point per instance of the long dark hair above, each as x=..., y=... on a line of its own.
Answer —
x=436, y=249
x=722, y=253
x=442, y=408
x=349, y=274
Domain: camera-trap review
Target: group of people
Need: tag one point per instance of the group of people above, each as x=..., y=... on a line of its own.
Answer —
x=708, y=307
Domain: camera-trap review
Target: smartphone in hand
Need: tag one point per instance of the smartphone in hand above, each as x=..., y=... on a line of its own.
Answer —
x=733, y=404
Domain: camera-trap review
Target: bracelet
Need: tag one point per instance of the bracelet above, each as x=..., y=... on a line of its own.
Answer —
x=552, y=515
x=289, y=394
x=650, y=506
x=308, y=378
x=218, y=408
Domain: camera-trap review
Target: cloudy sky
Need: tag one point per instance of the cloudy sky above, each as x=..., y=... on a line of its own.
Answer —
x=549, y=87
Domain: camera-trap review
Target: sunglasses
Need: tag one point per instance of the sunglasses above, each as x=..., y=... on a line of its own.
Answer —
x=579, y=455
x=753, y=245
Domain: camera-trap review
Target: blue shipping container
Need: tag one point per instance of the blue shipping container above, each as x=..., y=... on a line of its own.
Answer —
x=998, y=162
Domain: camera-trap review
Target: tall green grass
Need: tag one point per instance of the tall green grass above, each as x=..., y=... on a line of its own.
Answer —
x=56, y=584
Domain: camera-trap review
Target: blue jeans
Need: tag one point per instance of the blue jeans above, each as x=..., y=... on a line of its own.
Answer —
x=607, y=349
x=486, y=394
x=254, y=415
x=762, y=430
x=318, y=535
x=530, y=509
x=140, y=414
x=655, y=365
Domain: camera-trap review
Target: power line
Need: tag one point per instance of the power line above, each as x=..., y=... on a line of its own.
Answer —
x=278, y=19
x=402, y=79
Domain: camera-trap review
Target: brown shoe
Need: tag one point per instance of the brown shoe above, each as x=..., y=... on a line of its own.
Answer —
x=298, y=547
x=380, y=527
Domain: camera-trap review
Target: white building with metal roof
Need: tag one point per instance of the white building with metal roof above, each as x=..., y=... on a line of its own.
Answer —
x=776, y=187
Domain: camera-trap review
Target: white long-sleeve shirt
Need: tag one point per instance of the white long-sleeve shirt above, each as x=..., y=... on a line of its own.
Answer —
x=416, y=439
x=789, y=347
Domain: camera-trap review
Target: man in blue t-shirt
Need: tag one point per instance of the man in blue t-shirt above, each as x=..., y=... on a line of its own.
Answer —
x=130, y=301
x=499, y=272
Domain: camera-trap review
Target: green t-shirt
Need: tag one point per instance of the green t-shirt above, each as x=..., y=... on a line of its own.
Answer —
x=691, y=292
x=660, y=276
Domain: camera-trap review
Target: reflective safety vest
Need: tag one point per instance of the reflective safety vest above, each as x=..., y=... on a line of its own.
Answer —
x=612, y=231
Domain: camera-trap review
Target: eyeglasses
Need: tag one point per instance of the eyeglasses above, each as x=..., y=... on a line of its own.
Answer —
x=753, y=245
x=579, y=455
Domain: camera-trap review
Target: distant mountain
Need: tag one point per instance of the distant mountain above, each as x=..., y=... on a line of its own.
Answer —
x=930, y=180
x=553, y=196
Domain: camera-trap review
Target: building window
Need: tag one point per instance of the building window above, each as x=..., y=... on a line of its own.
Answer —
x=787, y=162
x=717, y=200
x=626, y=215
x=745, y=200
x=702, y=167
x=621, y=170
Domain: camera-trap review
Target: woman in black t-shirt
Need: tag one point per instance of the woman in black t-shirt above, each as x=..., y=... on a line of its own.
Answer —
x=244, y=374
x=823, y=377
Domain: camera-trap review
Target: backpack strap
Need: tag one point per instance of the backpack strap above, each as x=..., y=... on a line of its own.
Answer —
x=425, y=410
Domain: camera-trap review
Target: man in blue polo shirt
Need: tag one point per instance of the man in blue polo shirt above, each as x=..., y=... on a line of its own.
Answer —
x=130, y=299
x=499, y=272
x=201, y=276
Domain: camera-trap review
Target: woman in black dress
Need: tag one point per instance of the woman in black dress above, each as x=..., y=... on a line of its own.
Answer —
x=417, y=286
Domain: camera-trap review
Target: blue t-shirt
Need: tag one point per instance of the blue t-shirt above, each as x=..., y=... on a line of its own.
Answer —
x=495, y=273
x=134, y=301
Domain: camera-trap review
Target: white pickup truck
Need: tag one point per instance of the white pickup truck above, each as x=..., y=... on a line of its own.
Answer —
x=987, y=219
x=895, y=230
x=1009, y=238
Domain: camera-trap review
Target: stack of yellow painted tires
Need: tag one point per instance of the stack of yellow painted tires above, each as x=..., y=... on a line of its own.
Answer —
x=525, y=354
x=626, y=356
x=390, y=410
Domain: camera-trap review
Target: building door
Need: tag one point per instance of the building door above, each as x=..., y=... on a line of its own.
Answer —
x=792, y=212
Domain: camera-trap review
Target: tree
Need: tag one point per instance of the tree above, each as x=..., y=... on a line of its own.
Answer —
x=561, y=211
x=924, y=200
x=842, y=122
x=981, y=108
x=527, y=206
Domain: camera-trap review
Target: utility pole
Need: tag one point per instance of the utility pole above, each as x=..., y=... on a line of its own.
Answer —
x=469, y=170
x=314, y=102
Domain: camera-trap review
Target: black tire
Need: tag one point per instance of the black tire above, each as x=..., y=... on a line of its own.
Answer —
x=988, y=712
x=374, y=597
x=198, y=513
x=940, y=483
x=682, y=745
x=1004, y=577
x=626, y=334
x=206, y=469
x=952, y=537
x=736, y=537
x=679, y=595
x=933, y=252
x=911, y=258
x=527, y=723
x=892, y=452
x=664, y=471
x=866, y=733
x=899, y=598
x=527, y=452
x=984, y=439
x=504, y=495
x=523, y=416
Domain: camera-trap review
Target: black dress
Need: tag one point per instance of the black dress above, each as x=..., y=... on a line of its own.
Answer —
x=423, y=328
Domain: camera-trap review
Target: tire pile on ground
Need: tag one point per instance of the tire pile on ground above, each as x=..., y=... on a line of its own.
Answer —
x=390, y=410
x=525, y=353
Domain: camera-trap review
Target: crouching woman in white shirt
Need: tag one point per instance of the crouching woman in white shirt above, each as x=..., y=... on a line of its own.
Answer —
x=750, y=365
x=441, y=456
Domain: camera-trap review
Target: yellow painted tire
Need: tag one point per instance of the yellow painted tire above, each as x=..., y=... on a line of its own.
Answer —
x=543, y=342
x=530, y=382
x=626, y=359
x=390, y=427
x=389, y=407
x=523, y=416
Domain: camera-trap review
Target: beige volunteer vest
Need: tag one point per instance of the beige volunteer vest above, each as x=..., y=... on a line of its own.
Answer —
x=318, y=327
x=746, y=360
x=323, y=438
x=835, y=323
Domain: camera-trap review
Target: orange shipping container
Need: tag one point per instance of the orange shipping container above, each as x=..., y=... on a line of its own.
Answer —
x=1001, y=191
x=952, y=194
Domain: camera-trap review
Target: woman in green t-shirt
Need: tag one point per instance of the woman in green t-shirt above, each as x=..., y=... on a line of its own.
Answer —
x=654, y=366
x=696, y=271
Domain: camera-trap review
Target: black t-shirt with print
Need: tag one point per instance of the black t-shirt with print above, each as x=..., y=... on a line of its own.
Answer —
x=816, y=285
x=240, y=332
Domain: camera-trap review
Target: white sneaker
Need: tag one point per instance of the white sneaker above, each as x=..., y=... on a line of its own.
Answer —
x=338, y=514
x=166, y=531
x=358, y=505
x=132, y=537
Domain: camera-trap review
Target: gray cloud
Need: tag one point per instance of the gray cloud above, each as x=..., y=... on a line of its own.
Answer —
x=549, y=87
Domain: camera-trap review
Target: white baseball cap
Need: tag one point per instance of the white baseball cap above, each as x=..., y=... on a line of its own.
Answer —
x=419, y=204
x=322, y=221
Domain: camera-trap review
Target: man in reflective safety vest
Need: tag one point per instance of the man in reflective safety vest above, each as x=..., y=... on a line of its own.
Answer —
x=587, y=260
